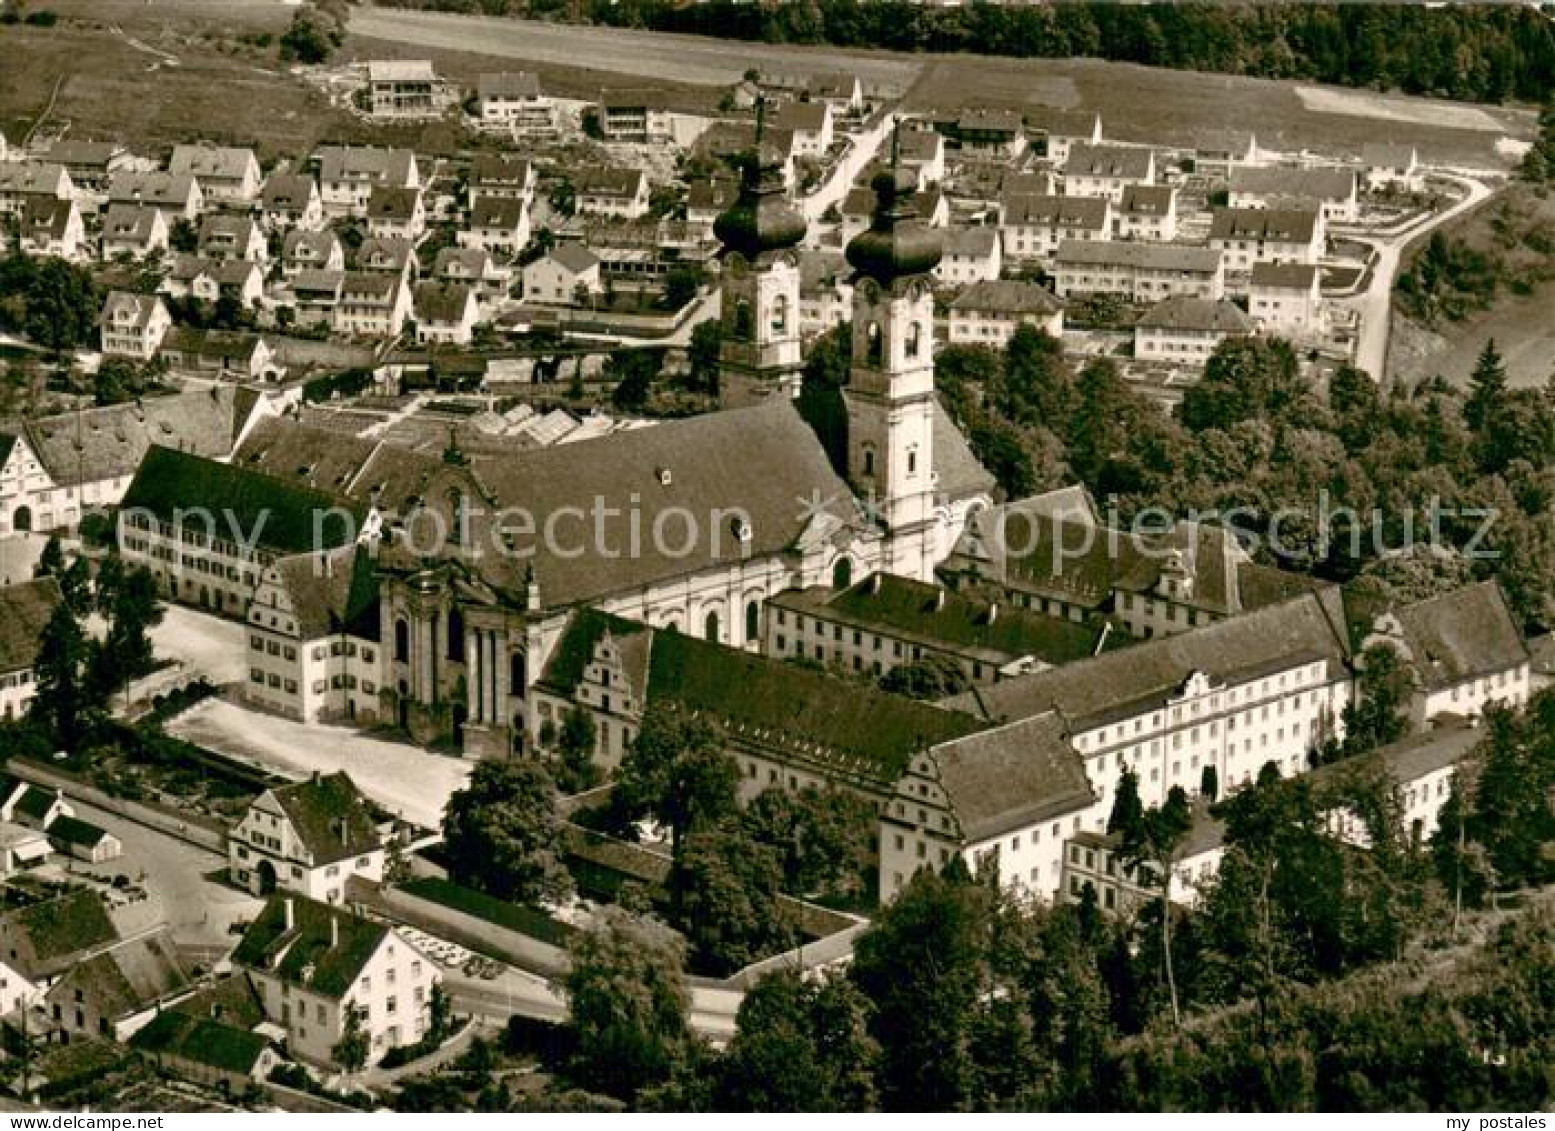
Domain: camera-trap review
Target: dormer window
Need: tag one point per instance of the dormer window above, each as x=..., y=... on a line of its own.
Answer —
x=663, y=475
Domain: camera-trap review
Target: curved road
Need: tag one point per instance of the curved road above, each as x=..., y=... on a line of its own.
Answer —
x=1376, y=304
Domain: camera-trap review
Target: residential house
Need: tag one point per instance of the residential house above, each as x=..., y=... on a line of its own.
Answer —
x=987, y=313
x=348, y=175
x=504, y=175
x=244, y=356
x=513, y=101
x=922, y=151
x=811, y=123
x=25, y=607
x=208, y=530
x=618, y=193
x=1392, y=166
x=133, y=230
x=316, y=295
x=1147, y=212
x=311, y=963
x=405, y=90
x=825, y=291
x=1218, y=153
x=91, y=164
x=372, y=304
x=636, y=116
x=178, y=195
x=858, y=209
x=291, y=200
x=706, y=200
x=498, y=225
x=207, y=1051
x=1285, y=299
x=998, y=135
x=306, y=837
x=839, y=89
x=472, y=267
x=1140, y=272
x=1063, y=130
x=1333, y=190
x=22, y=181
x=1106, y=170
x=388, y=255
x=971, y=255
x=445, y=312
x=1035, y=225
x=1245, y=236
x=211, y=280
x=42, y=940
x=118, y=990
x=728, y=143
x=396, y=213
x=227, y=175
x=1188, y=329
x=133, y=325
x=225, y=237
x=51, y=227
x=559, y=276
x=306, y=250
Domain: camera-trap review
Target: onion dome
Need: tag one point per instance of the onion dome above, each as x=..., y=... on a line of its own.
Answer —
x=896, y=244
x=760, y=219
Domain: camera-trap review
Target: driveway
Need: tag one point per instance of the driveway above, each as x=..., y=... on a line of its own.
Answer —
x=406, y=780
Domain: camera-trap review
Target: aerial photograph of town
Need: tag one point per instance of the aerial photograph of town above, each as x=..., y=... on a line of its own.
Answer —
x=654, y=556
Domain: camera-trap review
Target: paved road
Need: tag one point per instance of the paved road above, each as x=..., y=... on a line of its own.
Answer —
x=1376, y=304
x=835, y=189
x=678, y=58
x=529, y=995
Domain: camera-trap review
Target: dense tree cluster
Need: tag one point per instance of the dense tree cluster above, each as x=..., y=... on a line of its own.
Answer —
x=1487, y=53
x=316, y=32
x=502, y=834
x=51, y=301
x=1333, y=484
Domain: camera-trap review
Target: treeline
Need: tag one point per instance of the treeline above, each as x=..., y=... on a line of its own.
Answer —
x=1483, y=53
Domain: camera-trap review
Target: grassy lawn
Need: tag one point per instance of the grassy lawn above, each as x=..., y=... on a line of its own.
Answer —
x=513, y=916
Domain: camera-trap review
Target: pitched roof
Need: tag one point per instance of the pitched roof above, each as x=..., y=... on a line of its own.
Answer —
x=128, y=976
x=1012, y=776
x=1147, y=200
x=140, y=307
x=31, y=177
x=980, y=241
x=73, y=830
x=1007, y=296
x=24, y=609
x=809, y=116
x=1120, y=684
x=1467, y=633
x=1288, y=225
x=85, y=154
x=602, y=180
x=279, y=515
x=931, y=615
x=574, y=650
x=400, y=70
x=330, y=592
x=1391, y=155
x=1065, y=211
x=59, y=929
x=345, y=163
x=958, y=472
x=1126, y=162
x=1140, y=254
x=310, y=953
x=390, y=202
x=385, y=253
x=167, y=190
x=134, y=222
x=437, y=301
x=574, y=257
x=1290, y=276
x=508, y=84
x=502, y=213
x=110, y=442
x=329, y=816
x=1293, y=183
x=288, y=191
x=473, y=262
x=314, y=246
x=200, y=1040
x=1063, y=123
x=1185, y=312
x=220, y=162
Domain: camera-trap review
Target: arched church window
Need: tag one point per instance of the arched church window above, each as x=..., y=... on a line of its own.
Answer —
x=912, y=461
x=456, y=636
x=869, y=460
x=401, y=642
x=518, y=674
x=456, y=512
x=710, y=627
x=914, y=336
x=842, y=573
x=752, y=621
x=780, y=314
x=743, y=322
x=874, y=344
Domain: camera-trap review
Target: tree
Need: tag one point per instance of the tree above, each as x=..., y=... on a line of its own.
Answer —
x=127, y=600
x=502, y=834
x=1037, y=387
x=677, y=773
x=823, y=838
x=183, y=236
x=575, y=744
x=313, y=36
x=1148, y=840
x=62, y=701
x=799, y=1045
x=931, y=678
x=1244, y=379
x=51, y=561
x=681, y=285
x=53, y=302
x=633, y=371
x=725, y=885
x=1376, y=716
x=440, y=1013
x=350, y=1051
x=1487, y=388
x=702, y=356
x=627, y=1003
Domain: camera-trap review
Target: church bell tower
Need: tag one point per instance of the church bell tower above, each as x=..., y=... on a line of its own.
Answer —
x=890, y=393
x=760, y=351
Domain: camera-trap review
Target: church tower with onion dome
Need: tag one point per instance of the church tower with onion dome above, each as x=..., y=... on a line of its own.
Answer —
x=760, y=351
x=890, y=394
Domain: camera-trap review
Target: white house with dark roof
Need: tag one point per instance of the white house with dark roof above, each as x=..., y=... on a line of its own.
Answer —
x=41, y=941
x=25, y=608
x=304, y=250
x=89, y=163
x=396, y=213
x=51, y=227
x=634, y=115
x=348, y=175
x=1106, y=170
x=811, y=123
x=211, y=280
x=291, y=200
x=133, y=230
x=1141, y=272
x=227, y=174
x=972, y=255
x=513, y=101
x=1187, y=330
x=1219, y=152
x=114, y=992
x=1329, y=188
x=388, y=255
x=504, y=175
x=1064, y=129
x=618, y=193
x=21, y=181
x=225, y=236
x=1147, y=212
x=308, y=837
x=1286, y=299
x=445, y=312
x=179, y=196
x=1387, y=165
x=133, y=325
x=556, y=277
x=825, y=291
x=1034, y=225
x=498, y=225
x=988, y=313
x=1245, y=236
x=372, y=304
x=472, y=267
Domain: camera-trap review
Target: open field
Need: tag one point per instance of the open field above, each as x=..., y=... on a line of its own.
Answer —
x=1390, y=108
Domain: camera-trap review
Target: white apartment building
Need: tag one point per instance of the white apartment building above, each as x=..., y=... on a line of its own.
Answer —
x=988, y=313
x=1245, y=236
x=1141, y=272
x=1107, y=170
x=1187, y=329
x=1330, y=189
x=227, y=175
x=1286, y=299
x=971, y=255
x=133, y=325
x=1034, y=226
x=348, y=175
x=1147, y=212
x=513, y=101
x=307, y=837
